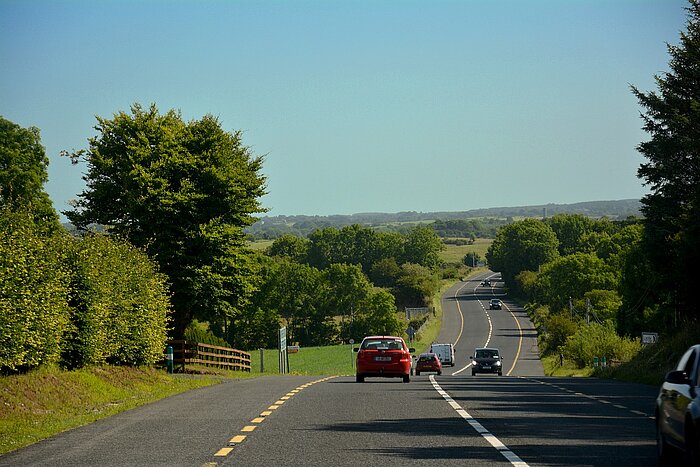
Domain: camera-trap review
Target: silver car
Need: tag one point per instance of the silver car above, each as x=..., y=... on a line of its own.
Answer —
x=678, y=409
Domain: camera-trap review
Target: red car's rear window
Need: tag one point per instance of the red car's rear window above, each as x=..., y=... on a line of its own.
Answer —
x=382, y=344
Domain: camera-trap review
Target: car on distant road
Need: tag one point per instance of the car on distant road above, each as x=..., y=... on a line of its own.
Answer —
x=678, y=410
x=486, y=282
x=383, y=356
x=487, y=360
x=428, y=362
x=495, y=304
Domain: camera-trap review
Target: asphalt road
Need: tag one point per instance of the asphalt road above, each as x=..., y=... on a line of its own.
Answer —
x=454, y=419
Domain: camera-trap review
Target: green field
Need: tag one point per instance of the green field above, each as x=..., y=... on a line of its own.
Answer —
x=455, y=253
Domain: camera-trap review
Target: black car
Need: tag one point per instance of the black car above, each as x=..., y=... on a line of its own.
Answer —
x=487, y=360
x=678, y=409
x=495, y=304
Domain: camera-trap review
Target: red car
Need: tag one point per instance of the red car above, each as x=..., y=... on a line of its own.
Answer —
x=428, y=362
x=383, y=356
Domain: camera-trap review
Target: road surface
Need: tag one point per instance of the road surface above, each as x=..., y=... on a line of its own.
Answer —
x=521, y=418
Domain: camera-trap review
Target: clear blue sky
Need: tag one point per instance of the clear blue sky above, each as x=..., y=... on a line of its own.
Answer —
x=363, y=106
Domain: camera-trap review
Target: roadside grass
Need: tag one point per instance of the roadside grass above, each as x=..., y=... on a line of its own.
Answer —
x=340, y=359
x=45, y=402
x=552, y=367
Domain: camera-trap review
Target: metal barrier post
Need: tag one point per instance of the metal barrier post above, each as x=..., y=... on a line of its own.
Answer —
x=169, y=358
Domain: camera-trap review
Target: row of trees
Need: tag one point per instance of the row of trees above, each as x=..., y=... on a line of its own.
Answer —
x=572, y=271
x=346, y=283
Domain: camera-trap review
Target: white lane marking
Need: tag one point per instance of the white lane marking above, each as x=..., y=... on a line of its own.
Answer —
x=588, y=396
x=493, y=441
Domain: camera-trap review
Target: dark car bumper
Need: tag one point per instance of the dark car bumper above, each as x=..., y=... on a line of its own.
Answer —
x=486, y=368
x=428, y=368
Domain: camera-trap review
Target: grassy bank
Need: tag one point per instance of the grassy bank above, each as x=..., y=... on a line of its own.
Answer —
x=652, y=363
x=42, y=403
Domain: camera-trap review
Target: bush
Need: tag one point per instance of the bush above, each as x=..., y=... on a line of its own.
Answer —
x=119, y=305
x=596, y=340
x=559, y=328
x=33, y=293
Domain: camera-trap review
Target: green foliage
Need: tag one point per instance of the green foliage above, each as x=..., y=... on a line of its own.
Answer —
x=467, y=228
x=422, y=247
x=376, y=317
x=119, y=305
x=415, y=286
x=559, y=328
x=577, y=233
x=23, y=172
x=572, y=276
x=197, y=332
x=522, y=246
x=596, y=340
x=525, y=283
x=184, y=192
x=33, y=293
x=672, y=171
x=290, y=246
x=471, y=259
x=604, y=303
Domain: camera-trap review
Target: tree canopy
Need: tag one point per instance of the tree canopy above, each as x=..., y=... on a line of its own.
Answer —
x=184, y=192
x=24, y=171
x=672, y=170
x=522, y=246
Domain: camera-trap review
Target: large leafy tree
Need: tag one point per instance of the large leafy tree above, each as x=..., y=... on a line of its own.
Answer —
x=184, y=191
x=23, y=172
x=672, y=171
x=423, y=246
x=522, y=246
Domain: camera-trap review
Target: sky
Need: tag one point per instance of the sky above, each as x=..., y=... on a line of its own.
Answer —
x=358, y=106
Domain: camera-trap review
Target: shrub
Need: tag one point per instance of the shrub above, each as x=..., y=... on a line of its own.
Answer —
x=596, y=340
x=33, y=292
x=559, y=328
x=119, y=305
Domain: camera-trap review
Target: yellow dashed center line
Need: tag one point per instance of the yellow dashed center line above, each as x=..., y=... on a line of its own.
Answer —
x=223, y=452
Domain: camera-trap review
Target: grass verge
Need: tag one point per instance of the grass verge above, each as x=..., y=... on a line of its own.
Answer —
x=45, y=402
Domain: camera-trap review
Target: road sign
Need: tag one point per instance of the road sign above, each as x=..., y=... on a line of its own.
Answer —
x=650, y=338
x=283, y=355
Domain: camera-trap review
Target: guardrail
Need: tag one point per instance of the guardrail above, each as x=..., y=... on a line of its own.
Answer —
x=189, y=353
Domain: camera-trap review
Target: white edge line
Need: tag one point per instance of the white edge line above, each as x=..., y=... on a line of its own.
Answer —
x=479, y=428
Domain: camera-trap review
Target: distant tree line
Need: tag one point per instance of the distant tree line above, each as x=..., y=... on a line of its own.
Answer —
x=486, y=220
x=350, y=282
